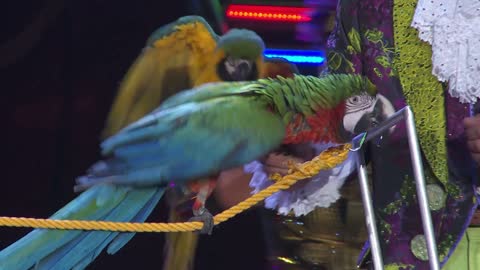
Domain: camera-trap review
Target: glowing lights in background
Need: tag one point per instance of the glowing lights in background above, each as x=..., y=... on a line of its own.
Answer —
x=273, y=13
x=297, y=56
x=269, y=13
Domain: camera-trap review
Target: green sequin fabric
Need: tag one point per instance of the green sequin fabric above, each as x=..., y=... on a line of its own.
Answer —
x=423, y=92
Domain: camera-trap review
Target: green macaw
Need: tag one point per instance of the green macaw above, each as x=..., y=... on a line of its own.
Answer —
x=180, y=55
x=192, y=135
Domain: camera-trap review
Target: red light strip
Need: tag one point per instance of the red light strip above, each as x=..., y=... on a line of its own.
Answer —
x=269, y=13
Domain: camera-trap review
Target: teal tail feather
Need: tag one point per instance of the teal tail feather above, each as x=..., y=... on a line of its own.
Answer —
x=45, y=249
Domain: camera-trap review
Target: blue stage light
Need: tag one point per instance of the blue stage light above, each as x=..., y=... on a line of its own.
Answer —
x=297, y=56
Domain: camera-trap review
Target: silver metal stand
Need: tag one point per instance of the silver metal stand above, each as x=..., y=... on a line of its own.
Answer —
x=407, y=115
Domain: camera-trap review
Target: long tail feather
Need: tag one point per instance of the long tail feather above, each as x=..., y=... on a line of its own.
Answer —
x=123, y=238
x=68, y=249
x=116, y=241
x=89, y=258
x=25, y=252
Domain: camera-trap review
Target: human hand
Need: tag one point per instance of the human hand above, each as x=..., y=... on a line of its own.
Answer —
x=278, y=163
x=472, y=132
x=232, y=187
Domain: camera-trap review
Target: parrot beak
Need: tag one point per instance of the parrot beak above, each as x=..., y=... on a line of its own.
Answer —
x=370, y=118
x=242, y=72
x=237, y=69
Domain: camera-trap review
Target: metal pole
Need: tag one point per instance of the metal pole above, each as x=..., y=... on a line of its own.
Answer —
x=416, y=158
x=363, y=179
x=421, y=190
x=369, y=213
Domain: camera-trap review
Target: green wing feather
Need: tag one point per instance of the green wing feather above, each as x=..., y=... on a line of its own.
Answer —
x=247, y=117
x=182, y=142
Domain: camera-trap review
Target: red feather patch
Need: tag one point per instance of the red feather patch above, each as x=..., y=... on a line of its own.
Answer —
x=323, y=126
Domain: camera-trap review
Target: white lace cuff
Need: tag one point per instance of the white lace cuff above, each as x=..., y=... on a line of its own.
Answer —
x=452, y=28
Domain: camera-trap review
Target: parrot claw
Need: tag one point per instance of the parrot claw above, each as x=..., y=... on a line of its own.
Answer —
x=203, y=215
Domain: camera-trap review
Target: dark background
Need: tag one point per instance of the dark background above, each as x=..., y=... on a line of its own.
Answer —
x=60, y=65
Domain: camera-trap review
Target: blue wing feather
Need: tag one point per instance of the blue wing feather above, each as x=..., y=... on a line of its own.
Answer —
x=182, y=143
x=72, y=254
x=179, y=144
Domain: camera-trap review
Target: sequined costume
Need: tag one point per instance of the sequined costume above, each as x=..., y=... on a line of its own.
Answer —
x=363, y=42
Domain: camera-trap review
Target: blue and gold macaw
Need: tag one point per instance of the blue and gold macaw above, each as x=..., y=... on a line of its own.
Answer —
x=184, y=54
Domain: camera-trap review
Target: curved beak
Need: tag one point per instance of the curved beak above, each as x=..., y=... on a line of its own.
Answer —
x=241, y=73
x=371, y=117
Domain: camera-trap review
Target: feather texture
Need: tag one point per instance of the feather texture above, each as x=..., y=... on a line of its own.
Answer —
x=63, y=249
x=181, y=55
x=194, y=134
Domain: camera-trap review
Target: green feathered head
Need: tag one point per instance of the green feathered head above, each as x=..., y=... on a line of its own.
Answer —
x=241, y=43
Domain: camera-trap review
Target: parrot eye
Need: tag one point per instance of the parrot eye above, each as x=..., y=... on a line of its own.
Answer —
x=360, y=102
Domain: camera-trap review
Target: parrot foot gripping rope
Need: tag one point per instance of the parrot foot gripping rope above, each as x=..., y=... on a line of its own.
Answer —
x=326, y=160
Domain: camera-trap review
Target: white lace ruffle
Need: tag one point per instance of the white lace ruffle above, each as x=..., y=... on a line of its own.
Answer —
x=452, y=28
x=320, y=191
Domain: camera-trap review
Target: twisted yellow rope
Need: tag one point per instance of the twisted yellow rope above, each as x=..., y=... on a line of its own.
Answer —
x=328, y=159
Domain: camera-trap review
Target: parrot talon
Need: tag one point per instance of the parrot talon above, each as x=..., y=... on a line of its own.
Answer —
x=203, y=215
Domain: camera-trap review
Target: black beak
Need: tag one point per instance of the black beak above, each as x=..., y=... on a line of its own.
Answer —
x=241, y=72
x=366, y=122
x=371, y=120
